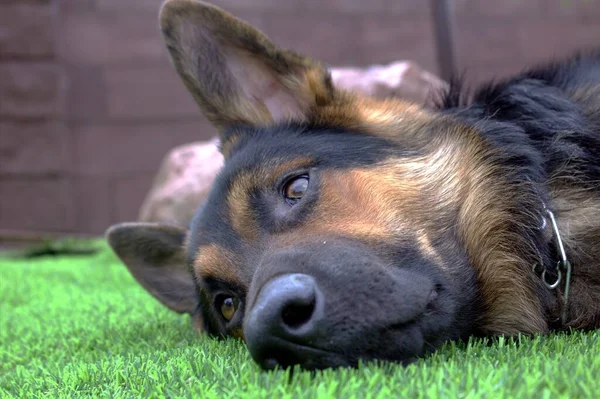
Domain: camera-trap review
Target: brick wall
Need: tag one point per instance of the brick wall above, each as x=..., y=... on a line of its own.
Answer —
x=500, y=37
x=35, y=190
x=89, y=103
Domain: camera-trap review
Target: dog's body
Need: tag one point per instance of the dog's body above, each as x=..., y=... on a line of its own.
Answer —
x=344, y=227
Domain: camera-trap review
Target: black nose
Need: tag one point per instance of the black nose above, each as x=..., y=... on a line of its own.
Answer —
x=284, y=320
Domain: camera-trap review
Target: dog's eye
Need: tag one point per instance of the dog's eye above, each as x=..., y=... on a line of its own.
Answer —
x=294, y=189
x=228, y=308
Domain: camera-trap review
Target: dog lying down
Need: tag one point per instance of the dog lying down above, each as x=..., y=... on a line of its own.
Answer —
x=344, y=227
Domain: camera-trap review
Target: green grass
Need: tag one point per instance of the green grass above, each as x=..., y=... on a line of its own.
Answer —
x=79, y=326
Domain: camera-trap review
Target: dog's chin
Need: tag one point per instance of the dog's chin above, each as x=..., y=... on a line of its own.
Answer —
x=335, y=361
x=321, y=360
x=393, y=349
x=331, y=360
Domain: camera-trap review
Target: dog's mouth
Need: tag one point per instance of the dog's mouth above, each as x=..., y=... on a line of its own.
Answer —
x=283, y=353
x=288, y=354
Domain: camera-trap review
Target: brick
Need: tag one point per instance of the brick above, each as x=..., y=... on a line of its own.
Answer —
x=129, y=5
x=34, y=148
x=123, y=11
x=228, y=5
x=148, y=92
x=361, y=7
x=31, y=90
x=478, y=72
x=111, y=39
x=347, y=6
x=86, y=93
x=506, y=9
x=76, y=6
x=8, y=2
x=27, y=30
x=36, y=204
x=126, y=149
x=94, y=197
x=408, y=8
x=582, y=9
x=129, y=195
x=487, y=40
x=263, y=5
x=385, y=39
x=328, y=38
x=544, y=40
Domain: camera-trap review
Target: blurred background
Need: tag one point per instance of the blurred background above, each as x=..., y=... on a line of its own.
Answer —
x=90, y=105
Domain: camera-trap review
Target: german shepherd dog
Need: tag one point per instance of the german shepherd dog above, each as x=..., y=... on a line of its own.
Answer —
x=344, y=227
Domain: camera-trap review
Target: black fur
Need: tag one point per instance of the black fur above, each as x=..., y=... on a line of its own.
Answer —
x=543, y=134
x=544, y=127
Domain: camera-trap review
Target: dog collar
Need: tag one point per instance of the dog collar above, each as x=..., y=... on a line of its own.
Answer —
x=562, y=265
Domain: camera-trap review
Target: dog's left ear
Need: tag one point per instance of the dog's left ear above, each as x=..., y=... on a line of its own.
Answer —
x=155, y=257
x=235, y=73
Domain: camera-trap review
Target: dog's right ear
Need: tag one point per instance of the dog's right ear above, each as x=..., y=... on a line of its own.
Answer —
x=155, y=257
x=235, y=73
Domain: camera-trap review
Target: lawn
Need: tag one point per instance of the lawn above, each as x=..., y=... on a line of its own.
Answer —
x=79, y=326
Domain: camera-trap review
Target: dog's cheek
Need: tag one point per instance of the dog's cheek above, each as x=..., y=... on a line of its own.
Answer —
x=198, y=323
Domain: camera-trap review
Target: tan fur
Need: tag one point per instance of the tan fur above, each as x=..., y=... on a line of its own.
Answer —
x=197, y=323
x=287, y=166
x=389, y=118
x=240, y=213
x=394, y=195
x=505, y=277
x=213, y=261
x=238, y=333
x=457, y=177
x=587, y=97
x=577, y=217
x=428, y=250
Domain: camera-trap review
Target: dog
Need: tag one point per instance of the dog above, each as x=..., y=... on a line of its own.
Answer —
x=344, y=228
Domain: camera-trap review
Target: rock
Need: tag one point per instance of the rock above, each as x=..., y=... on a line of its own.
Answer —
x=402, y=79
x=187, y=172
x=182, y=183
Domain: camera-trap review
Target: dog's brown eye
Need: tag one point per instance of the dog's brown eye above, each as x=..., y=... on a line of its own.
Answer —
x=228, y=308
x=294, y=189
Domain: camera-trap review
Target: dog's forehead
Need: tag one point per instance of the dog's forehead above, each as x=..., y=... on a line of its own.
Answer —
x=259, y=157
x=335, y=146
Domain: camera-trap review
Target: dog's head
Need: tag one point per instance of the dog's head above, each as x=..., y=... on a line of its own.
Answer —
x=340, y=228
